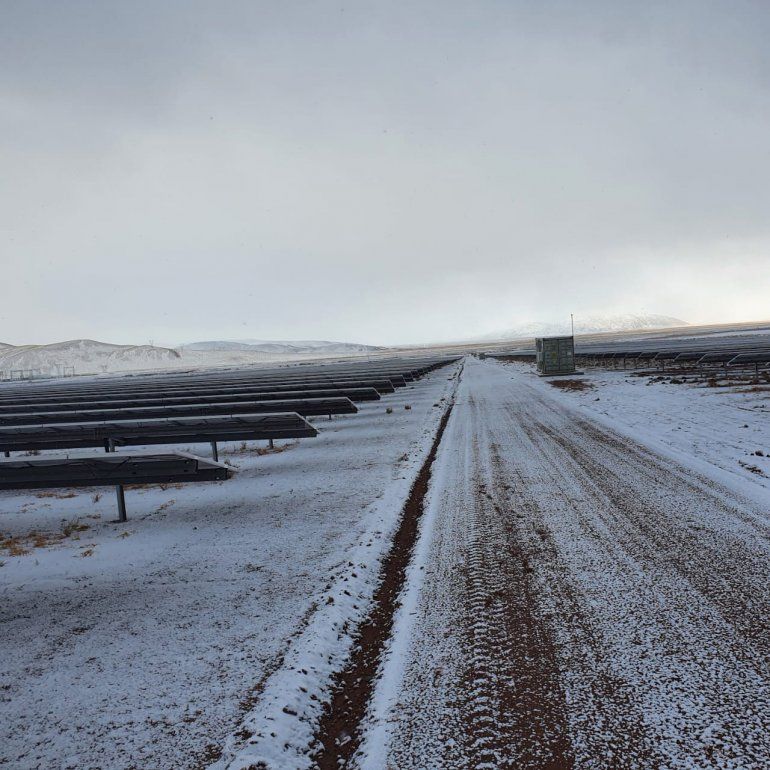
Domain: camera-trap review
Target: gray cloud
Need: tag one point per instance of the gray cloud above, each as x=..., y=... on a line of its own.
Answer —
x=379, y=172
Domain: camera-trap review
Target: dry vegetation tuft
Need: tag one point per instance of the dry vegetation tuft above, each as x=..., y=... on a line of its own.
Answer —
x=733, y=382
x=244, y=448
x=576, y=385
x=56, y=495
x=20, y=545
x=13, y=546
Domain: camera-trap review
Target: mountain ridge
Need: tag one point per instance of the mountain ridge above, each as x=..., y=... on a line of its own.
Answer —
x=85, y=356
x=295, y=347
x=586, y=325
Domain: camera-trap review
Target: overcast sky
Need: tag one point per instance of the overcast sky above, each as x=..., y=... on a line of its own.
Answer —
x=378, y=172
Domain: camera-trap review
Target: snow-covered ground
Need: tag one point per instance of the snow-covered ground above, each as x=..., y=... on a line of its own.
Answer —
x=589, y=589
x=588, y=325
x=579, y=598
x=85, y=357
x=147, y=645
x=82, y=357
x=703, y=426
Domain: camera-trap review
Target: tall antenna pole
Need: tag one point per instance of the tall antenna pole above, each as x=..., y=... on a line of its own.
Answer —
x=572, y=323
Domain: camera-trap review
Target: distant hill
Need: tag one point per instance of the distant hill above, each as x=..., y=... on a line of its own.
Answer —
x=293, y=347
x=586, y=325
x=86, y=356
x=92, y=357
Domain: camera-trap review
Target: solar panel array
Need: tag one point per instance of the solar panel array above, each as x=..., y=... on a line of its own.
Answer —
x=734, y=351
x=178, y=408
x=307, y=407
x=169, y=468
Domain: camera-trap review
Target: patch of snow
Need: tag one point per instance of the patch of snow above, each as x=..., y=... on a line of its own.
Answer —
x=295, y=348
x=586, y=325
x=89, y=357
x=282, y=724
x=707, y=429
x=645, y=585
x=148, y=644
x=85, y=357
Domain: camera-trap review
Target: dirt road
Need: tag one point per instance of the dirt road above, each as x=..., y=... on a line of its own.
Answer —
x=575, y=600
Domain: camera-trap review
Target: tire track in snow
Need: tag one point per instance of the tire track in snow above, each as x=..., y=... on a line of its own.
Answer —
x=485, y=692
x=604, y=719
x=582, y=598
x=661, y=566
x=514, y=706
x=645, y=528
x=338, y=735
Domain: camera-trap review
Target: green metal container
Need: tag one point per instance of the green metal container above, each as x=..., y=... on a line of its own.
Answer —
x=555, y=355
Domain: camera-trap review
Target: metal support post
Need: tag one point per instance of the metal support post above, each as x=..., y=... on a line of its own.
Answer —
x=121, y=503
x=214, y=451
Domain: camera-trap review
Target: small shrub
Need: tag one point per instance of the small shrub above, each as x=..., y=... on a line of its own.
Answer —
x=21, y=545
x=576, y=385
x=275, y=449
x=14, y=547
x=73, y=526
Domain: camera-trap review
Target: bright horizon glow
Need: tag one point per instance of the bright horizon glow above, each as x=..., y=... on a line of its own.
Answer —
x=383, y=174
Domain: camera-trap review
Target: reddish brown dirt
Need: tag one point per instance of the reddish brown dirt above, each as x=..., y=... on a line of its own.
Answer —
x=578, y=589
x=338, y=733
x=513, y=703
x=571, y=384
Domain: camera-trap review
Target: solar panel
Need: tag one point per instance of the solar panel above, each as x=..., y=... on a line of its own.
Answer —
x=355, y=394
x=120, y=470
x=305, y=407
x=104, y=469
x=382, y=386
x=177, y=430
x=757, y=357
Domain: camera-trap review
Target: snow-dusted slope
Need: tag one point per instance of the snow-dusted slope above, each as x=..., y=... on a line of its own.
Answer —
x=86, y=356
x=579, y=599
x=91, y=357
x=588, y=325
x=294, y=347
x=141, y=645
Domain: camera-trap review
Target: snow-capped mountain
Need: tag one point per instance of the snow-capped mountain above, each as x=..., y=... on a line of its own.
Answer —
x=84, y=356
x=92, y=357
x=587, y=325
x=293, y=347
